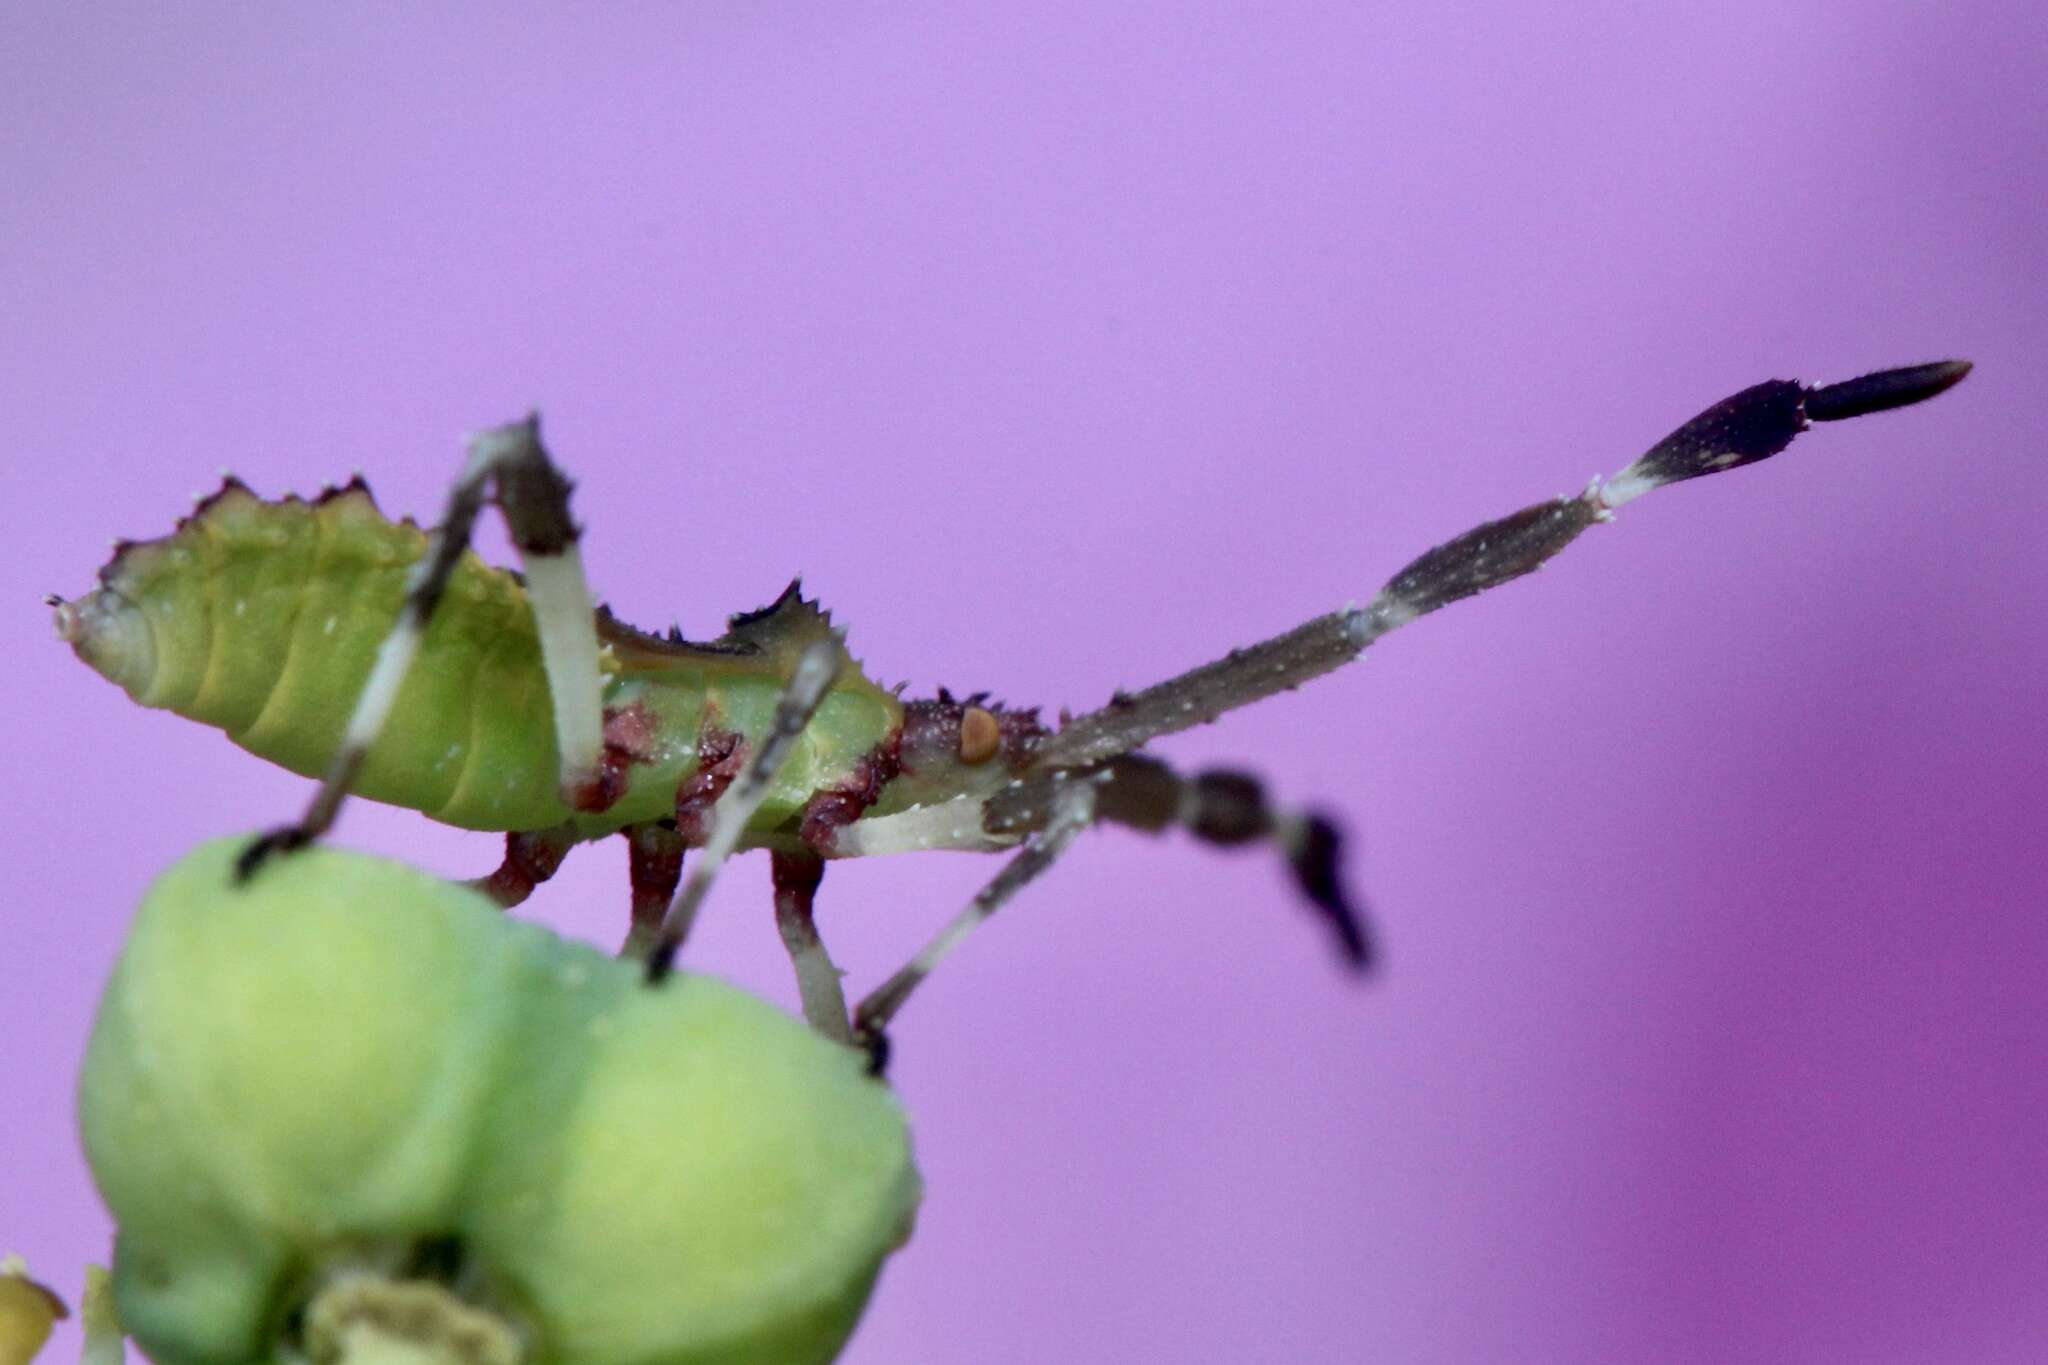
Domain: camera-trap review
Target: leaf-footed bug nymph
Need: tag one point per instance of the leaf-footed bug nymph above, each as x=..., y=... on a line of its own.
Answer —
x=391, y=663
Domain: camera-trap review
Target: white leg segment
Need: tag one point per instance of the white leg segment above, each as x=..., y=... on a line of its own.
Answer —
x=1073, y=810
x=562, y=615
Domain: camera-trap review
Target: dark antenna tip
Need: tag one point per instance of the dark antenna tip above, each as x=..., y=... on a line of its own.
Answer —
x=1885, y=389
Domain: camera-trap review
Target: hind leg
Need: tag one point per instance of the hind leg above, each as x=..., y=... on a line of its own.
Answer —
x=506, y=465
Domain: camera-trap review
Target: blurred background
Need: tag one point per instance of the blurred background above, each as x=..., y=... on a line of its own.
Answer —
x=1062, y=346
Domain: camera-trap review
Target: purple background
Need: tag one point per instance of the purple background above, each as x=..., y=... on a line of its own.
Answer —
x=1063, y=346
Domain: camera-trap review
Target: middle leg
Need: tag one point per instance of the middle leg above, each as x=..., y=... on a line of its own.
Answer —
x=656, y=863
x=815, y=669
x=817, y=980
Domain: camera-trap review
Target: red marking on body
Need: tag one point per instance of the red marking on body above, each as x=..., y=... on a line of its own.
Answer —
x=833, y=808
x=628, y=739
x=720, y=757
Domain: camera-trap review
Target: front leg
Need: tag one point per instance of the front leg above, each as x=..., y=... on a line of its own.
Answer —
x=1220, y=806
x=1070, y=807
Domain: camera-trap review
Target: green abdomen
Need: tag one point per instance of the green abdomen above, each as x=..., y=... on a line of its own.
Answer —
x=263, y=619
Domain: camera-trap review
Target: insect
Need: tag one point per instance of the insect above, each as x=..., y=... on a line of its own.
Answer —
x=391, y=663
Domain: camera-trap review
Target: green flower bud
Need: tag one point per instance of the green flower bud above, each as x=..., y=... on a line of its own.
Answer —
x=348, y=1066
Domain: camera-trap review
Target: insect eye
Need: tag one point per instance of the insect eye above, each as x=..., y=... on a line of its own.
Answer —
x=980, y=736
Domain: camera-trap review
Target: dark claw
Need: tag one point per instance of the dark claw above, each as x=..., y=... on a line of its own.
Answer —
x=1314, y=859
x=1885, y=389
x=875, y=1043
x=284, y=839
x=661, y=963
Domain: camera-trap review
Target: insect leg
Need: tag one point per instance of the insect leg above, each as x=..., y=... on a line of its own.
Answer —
x=1073, y=808
x=533, y=496
x=817, y=980
x=656, y=866
x=531, y=857
x=801, y=697
x=1752, y=425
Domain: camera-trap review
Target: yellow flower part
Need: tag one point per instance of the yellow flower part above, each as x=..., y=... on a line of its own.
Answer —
x=27, y=1313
